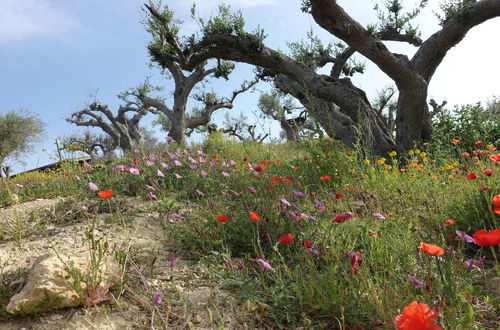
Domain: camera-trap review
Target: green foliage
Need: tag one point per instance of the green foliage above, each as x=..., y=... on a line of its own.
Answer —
x=19, y=130
x=392, y=18
x=308, y=49
x=452, y=9
x=469, y=123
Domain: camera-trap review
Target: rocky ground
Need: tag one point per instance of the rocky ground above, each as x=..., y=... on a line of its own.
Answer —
x=190, y=297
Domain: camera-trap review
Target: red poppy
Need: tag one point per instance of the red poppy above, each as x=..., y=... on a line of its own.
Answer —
x=287, y=239
x=325, y=178
x=496, y=203
x=495, y=158
x=478, y=143
x=253, y=216
x=487, y=238
x=455, y=141
x=355, y=261
x=465, y=154
x=106, y=193
x=339, y=196
x=67, y=173
x=222, y=218
x=307, y=244
x=135, y=161
x=275, y=180
x=449, y=222
x=488, y=171
x=471, y=176
x=343, y=217
x=258, y=168
x=431, y=249
x=417, y=316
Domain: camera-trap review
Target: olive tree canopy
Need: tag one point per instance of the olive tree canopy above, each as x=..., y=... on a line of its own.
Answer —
x=19, y=131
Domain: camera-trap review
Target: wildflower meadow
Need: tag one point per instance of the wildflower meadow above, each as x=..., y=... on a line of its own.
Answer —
x=312, y=236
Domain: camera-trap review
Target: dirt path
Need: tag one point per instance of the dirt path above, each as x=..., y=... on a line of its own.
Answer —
x=190, y=299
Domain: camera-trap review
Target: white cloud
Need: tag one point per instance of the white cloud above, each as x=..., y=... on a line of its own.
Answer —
x=20, y=20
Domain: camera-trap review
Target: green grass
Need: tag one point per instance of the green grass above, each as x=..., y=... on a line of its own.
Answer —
x=309, y=289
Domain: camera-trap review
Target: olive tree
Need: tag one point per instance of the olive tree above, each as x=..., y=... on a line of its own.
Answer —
x=19, y=131
x=343, y=109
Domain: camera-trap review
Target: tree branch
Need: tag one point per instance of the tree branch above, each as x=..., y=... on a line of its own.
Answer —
x=434, y=49
x=330, y=16
x=394, y=35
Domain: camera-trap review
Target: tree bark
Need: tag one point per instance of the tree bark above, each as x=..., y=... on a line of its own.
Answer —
x=339, y=122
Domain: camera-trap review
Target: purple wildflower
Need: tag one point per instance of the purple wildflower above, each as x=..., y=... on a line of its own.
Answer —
x=157, y=298
x=177, y=163
x=166, y=166
x=153, y=196
x=379, y=216
x=177, y=216
x=93, y=186
x=150, y=187
x=311, y=218
x=471, y=263
x=225, y=174
x=135, y=171
x=266, y=265
x=149, y=163
x=313, y=251
x=178, y=176
x=169, y=139
x=204, y=173
x=320, y=206
x=160, y=174
x=416, y=282
x=298, y=193
x=464, y=236
x=252, y=189
x=295, y=207
x=285, y=202
x=199, y=192
x=172, y=260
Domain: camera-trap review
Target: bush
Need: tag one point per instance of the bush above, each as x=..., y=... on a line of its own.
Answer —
x=469, y=124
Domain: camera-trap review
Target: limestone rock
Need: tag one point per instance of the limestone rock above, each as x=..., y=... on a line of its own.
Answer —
x=50, y=286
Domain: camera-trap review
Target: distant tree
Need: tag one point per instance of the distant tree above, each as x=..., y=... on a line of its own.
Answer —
x=293, y=118
x=241, y=128
x=170, y=45
x=93, y=145
x=122, y=129
x=19, y=130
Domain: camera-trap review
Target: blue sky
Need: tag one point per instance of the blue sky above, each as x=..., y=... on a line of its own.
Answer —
x=54, y=54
